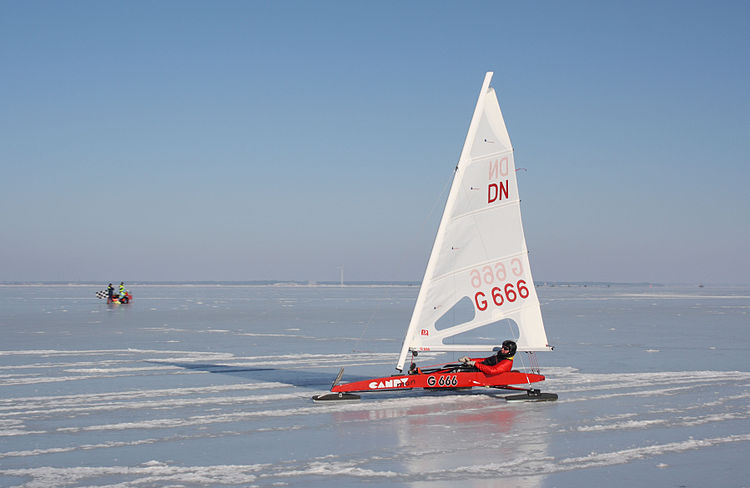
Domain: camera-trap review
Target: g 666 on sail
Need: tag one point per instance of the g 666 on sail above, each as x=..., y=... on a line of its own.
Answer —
x=479, y=265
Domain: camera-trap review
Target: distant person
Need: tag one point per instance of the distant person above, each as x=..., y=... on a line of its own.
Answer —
x=110, y=292
x=502, y=362
x=122, y=289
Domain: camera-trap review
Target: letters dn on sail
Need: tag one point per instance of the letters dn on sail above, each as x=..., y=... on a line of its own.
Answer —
x=498, y=170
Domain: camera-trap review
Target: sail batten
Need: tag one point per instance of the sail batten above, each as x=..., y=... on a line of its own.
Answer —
x=474, y=212
x=491, y=155
x=480, y=251
x=485, y=263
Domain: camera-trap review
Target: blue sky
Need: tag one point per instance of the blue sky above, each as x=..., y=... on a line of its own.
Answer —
x=282, y=140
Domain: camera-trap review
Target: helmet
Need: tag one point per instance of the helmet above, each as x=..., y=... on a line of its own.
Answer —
x=511, y=346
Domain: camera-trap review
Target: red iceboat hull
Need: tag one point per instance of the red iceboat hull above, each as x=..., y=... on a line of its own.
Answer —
x=439, y=380
x=120, y=300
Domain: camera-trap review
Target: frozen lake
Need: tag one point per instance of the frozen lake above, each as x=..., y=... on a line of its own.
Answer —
x=210, y=386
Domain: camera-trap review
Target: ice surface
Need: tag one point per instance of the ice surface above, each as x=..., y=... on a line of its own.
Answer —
x=210, y=386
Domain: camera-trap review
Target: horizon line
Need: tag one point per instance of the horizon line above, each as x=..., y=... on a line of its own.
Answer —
x=540, y=283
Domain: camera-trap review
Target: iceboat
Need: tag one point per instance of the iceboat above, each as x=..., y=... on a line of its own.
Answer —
x=115, y=299
x=479, y=265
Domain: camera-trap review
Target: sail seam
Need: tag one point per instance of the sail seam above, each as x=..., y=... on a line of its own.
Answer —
x=490, y=155
x=489, y=209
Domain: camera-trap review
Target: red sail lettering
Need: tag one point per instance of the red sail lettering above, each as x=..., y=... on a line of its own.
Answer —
x=481, y=304
x=497, y=192
x=498, y=167
x=504, y=189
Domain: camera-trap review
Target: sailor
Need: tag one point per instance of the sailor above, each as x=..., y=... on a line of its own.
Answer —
x=502, y=362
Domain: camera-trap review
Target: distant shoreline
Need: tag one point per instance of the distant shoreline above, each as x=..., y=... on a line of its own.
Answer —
x=334, y=284
x=269, y=283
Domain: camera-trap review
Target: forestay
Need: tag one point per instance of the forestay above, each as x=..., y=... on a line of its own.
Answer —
x=479, y=255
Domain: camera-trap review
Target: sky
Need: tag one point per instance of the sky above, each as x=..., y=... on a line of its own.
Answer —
x=249, y=140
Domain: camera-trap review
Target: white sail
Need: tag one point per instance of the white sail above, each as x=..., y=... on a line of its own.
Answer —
x=479, y=260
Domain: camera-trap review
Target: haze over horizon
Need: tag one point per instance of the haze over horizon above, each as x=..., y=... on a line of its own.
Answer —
x=247, y=141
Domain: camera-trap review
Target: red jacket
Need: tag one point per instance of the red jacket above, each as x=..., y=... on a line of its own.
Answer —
x=503, y=366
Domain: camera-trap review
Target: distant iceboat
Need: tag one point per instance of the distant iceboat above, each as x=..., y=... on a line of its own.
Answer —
x=479, y=262
x=115, y=299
